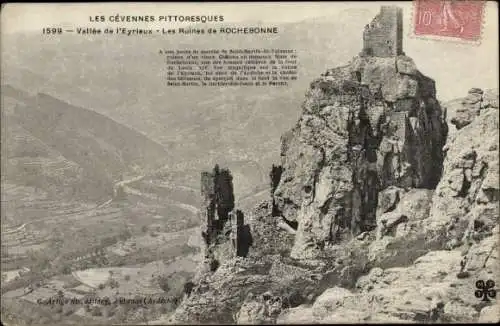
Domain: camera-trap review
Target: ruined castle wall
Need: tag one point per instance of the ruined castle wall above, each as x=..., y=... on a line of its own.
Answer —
x=383, y=37
x=399, y=31
x=207, y=209
x=217, y=200
x=224, y=194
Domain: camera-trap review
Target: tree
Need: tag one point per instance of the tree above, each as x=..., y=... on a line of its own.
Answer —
x=96, y=311
x=275, y=176
x=163, y=283
x=120, y=192
x=214, y=264
x=113, y=283
x=68, y=309
x=188, y=287
x=66, y=269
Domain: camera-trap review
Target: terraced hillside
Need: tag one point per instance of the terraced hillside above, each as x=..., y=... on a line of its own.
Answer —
x=69, y=150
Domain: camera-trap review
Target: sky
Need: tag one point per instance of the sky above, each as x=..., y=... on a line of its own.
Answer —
x=462, y=65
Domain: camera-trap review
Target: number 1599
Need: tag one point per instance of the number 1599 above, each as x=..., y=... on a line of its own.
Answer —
x=52, y=30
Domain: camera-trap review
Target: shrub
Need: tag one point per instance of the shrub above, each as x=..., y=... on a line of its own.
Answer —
x=66, y=270
x=214, y=264
x=188, y=287
x=68, y=309
x=58, y=308
x=113, y=283
x=124, y=235
x=163, y=283
x=96, y=311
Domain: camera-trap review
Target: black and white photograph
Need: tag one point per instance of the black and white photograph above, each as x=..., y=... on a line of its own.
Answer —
x=195, y=163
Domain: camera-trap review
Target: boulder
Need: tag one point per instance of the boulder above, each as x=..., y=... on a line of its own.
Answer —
x=262, y=309
x=388, y=199
x=406, y=65
x=455, y=311
x=302, y=314
x=407, y=215
x=490, y=314
x=329, y=301
x=427, y=290
x=462, y=112
x=490, y=99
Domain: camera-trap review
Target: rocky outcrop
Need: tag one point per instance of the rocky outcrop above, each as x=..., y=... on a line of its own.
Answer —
x=217, y=201
x=466, y=199
x=407, y=209
x=471, y=105
x=375, y=215
x=461, y=112
x=365, y=127
x=428, y=290
x=246, y=290
x=424, y=236
x=430, y=247
x=262, y=309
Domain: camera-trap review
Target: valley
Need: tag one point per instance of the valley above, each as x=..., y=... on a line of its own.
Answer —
x=87, y=214
x=148, y=231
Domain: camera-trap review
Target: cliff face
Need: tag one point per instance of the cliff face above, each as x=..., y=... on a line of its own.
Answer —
x=376, y=214
x=366, y=128
x=466, y=200
x=419, y=264
x=426, y=267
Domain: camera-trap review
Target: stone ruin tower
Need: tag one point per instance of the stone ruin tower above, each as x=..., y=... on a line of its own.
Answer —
x=207, y=210
x=219, y=214
x=383, y=37
x=368, y=129
x=237, y=223
x=217, y=201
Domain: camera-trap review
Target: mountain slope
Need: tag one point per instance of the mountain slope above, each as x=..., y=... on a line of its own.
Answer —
x=50, y=143
x=125, y=81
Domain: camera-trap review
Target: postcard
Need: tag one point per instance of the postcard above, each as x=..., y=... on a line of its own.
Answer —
x=249, y=163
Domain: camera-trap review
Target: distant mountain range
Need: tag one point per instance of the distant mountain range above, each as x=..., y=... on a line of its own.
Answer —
x=191, y=128
x=50, y=144
x=122, y=78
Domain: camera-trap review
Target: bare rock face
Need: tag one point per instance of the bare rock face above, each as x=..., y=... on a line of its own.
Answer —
x=426, y=291
x=490, y=314
x=420, y=250
x=216, y=297
x=372, y=125
x=431, y=246
x=376, y=215
x=466, y=199
x=471, y=105
x=260, y=309
x=461, y=112
x=405, y=214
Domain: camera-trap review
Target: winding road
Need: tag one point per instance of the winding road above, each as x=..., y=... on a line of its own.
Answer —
x=124, y=184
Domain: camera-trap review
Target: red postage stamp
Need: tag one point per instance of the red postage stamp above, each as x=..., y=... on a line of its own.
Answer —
x=458, y=19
